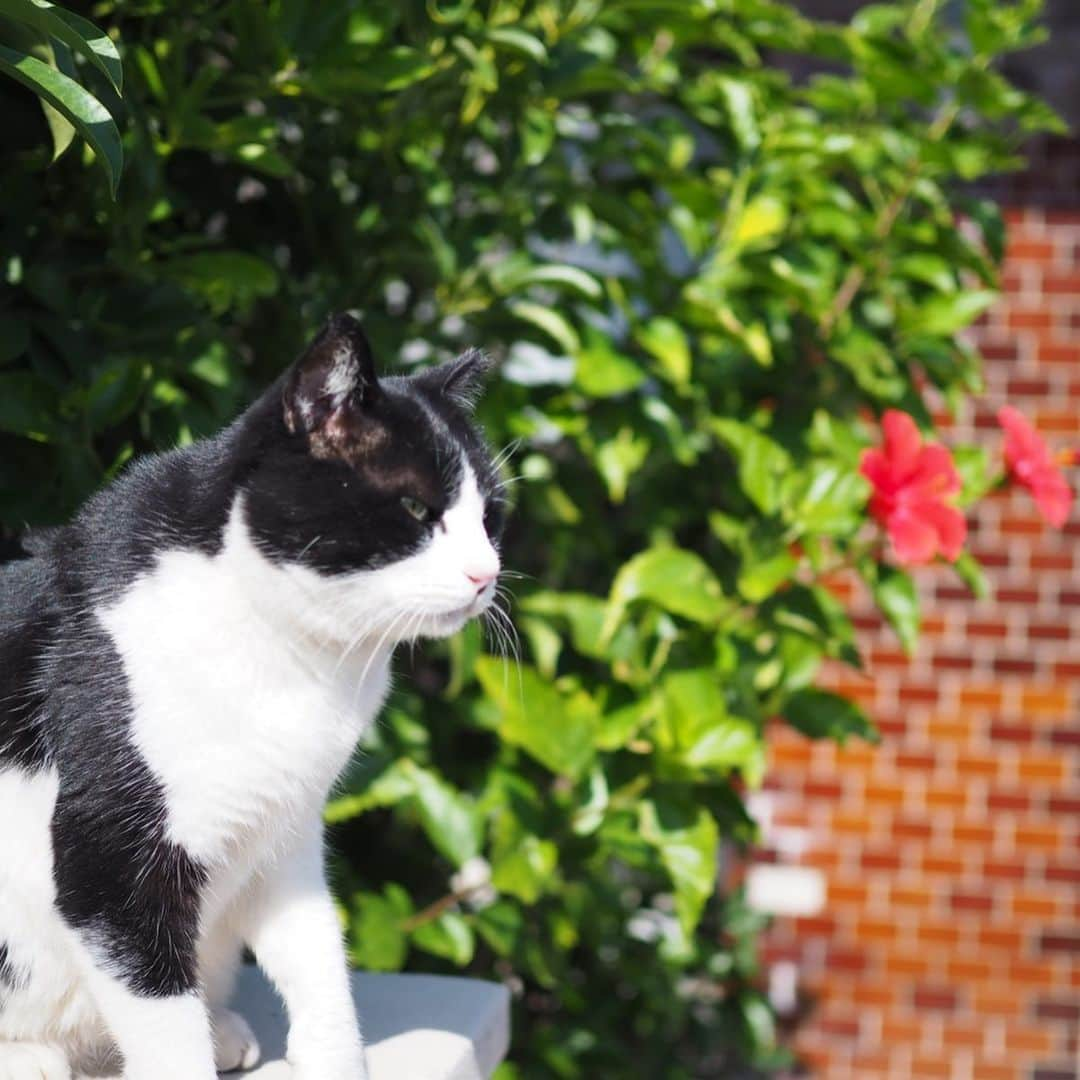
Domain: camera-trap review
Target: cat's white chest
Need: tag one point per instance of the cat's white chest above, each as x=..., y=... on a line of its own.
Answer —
x=245, y=724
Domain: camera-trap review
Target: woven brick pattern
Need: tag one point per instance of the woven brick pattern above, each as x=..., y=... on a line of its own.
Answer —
x=948, y=945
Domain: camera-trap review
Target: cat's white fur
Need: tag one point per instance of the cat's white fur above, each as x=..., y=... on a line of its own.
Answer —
x=251, y=683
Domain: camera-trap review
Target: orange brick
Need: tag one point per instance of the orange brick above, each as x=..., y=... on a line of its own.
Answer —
x=898, y=1030
x=1049, y=837
x=1043, y=769
x=1035, y=1040
x=1033, y=973
x=946, y=798
x=916, y=896
x=969, y=969
x=993, y=1069
x=876, y=930
x=974, y=833
x=1056, y=421
x=939, y=933
x=1038, y=700
x=981, y=697
x=963, y=1034
x=789, y=752
x=948, y=865
x=995, y=1001
x=871, y=1064
x=844, y=893
x=1027, y=250
x=851, y=822
x=977, y=766
x=1029, y=319
x=881, y=793
x=1036, y=905
x=998, y=937
x=931, y=1067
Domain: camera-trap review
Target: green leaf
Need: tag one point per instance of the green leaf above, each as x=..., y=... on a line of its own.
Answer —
x=698, y=731
x=760, y=578
x=762, y=462
x=827, y=498
x=449, y=936
x=822, y=714
x=73, y=30
x=224, y=279
x=664, y=339
x=390, y=786
x=619, y=458
x=379, y=942
x=62, y=130
x=602, y=371
x=976, y=476
x=378, y=71
x=90, y=118
x=617, y=728
x=738, y=98
x=550, y=321
x=537, y=131
x=948, y=314
x=763, y=219
x=687, y=839
x=758, y=1018
x=555, y=274
x=896, y=594
x=27, y=406
x=448, y=816
x=500, y=925
x=526, y=868
x=675, y=580
x=871, y=363
x=554, y=728
x=932, y=270
x=520, y=41
x=972, y=575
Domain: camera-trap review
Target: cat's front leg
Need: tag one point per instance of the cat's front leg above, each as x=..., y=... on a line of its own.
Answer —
x=295, y=934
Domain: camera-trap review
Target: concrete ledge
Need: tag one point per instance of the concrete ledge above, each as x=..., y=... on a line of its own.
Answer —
x=417, y=1027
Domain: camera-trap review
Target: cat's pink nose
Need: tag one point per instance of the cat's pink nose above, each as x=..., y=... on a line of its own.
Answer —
x=480, y=578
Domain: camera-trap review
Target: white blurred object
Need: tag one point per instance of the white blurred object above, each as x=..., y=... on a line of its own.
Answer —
x=777, y=889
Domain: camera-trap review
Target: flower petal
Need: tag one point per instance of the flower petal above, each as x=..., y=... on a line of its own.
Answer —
x=1052, y=495
x=950, y=526
x=902, y=440
x=914, y=540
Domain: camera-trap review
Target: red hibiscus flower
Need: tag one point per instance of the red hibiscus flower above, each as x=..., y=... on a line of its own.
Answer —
x=912, y=481
x=1031, y=462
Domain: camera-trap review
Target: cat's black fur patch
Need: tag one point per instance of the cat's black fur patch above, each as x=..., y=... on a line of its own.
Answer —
x=322, y=466
x=118, y=879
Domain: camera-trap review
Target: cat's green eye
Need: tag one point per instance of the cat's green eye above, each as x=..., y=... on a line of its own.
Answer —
x=416, y=508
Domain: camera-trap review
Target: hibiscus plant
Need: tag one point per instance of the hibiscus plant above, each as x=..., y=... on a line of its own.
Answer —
x=724, y=254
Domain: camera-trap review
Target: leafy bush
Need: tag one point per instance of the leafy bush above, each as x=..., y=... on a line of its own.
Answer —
x=703, y=278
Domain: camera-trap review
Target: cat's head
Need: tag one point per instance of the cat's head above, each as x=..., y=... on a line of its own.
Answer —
x=379, y=498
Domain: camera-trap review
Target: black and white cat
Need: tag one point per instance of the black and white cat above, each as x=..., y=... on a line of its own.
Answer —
x=184, y=671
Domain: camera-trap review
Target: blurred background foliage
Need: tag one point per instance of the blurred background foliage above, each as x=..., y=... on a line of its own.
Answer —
x=702, y=278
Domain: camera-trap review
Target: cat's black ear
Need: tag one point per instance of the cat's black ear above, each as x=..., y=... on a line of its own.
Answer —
x=460, y=380
x=336, y=373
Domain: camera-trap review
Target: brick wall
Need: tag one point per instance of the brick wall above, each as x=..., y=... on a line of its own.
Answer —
x=947, y=946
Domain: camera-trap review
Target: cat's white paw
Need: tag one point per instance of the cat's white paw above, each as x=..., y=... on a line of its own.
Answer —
x=235, y=1045
x=31, y=1061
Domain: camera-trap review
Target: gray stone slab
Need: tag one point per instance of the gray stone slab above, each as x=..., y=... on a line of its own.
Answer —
x=417, y=1027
